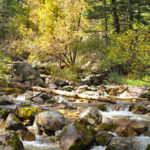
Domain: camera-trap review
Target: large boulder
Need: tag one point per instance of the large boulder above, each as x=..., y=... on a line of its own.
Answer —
x=27, y=74
x=91, y=115
x=10, y=141
x=76, y=137
x=50, y=121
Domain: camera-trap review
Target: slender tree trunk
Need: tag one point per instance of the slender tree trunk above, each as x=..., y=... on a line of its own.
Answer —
x=131, y=18
x=116, y=17
x=106, y=24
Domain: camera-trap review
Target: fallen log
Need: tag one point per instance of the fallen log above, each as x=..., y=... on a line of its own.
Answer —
x=62, y=93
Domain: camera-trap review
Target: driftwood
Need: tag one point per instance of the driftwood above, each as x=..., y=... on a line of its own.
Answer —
x=62, y=93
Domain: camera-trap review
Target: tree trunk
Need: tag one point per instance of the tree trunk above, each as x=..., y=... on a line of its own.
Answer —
x=106, y=24
x=116, y=18
x=131, y=18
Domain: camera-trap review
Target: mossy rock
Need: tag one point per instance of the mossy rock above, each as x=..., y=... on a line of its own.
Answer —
x=107, y=127
x=27, y=112
x=17, y=91
x=111, y=147
x=4, y=114
x=51, y=101
x=11, y=141
x=102, y=107
x=148, y=147
x=140, y=109
x=25, y=104
x=103, y=138
x=80, y=136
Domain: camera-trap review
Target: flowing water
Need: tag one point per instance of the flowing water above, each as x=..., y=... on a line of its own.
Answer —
x=141, y=142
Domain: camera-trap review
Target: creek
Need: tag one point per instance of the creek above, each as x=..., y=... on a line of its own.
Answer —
x=40, y=143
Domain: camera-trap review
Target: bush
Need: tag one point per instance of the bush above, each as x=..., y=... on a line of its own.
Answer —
x=114, y=77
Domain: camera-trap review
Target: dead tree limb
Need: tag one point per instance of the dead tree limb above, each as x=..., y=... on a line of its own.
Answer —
x=62, y=93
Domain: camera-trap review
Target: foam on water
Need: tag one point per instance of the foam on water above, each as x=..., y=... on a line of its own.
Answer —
x=39, y=145
x=99, y=148
x=118, y=114
x=142, y=142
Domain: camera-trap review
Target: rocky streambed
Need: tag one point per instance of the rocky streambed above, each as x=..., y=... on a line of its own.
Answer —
x=41, y=121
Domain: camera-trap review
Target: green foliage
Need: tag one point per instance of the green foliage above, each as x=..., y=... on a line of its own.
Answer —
x=57, y=72
x=114, y=77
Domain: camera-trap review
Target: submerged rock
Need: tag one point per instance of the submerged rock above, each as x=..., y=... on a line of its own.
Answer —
x=10, y=141
x=91, y=115
x=76, y=137
x=51, y=121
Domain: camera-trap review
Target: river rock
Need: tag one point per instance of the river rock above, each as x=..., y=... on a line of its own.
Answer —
x=27, y=112
x=121, y=144
x=51, y=121
x=52, y=86
x=10, y=141
x=91, y=116
x=13, y=123
x=38, y=100
x=4, y=113
x=140, y=109
x=26, y=135
x=76, y=137
x=137, y=91
x=5, y=100
x=27, y=74
x=92, y=80
x=45, y=96
x=102, y=107
x=103, y=138
x=125, y=131
x=122, y=121
x=41, y=98
x=129, y=127
x=139, y=127
x=106, y=127
x=61, y=83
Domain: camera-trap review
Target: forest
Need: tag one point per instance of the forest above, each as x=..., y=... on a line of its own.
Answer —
x=73, y=70
x=102, y=35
